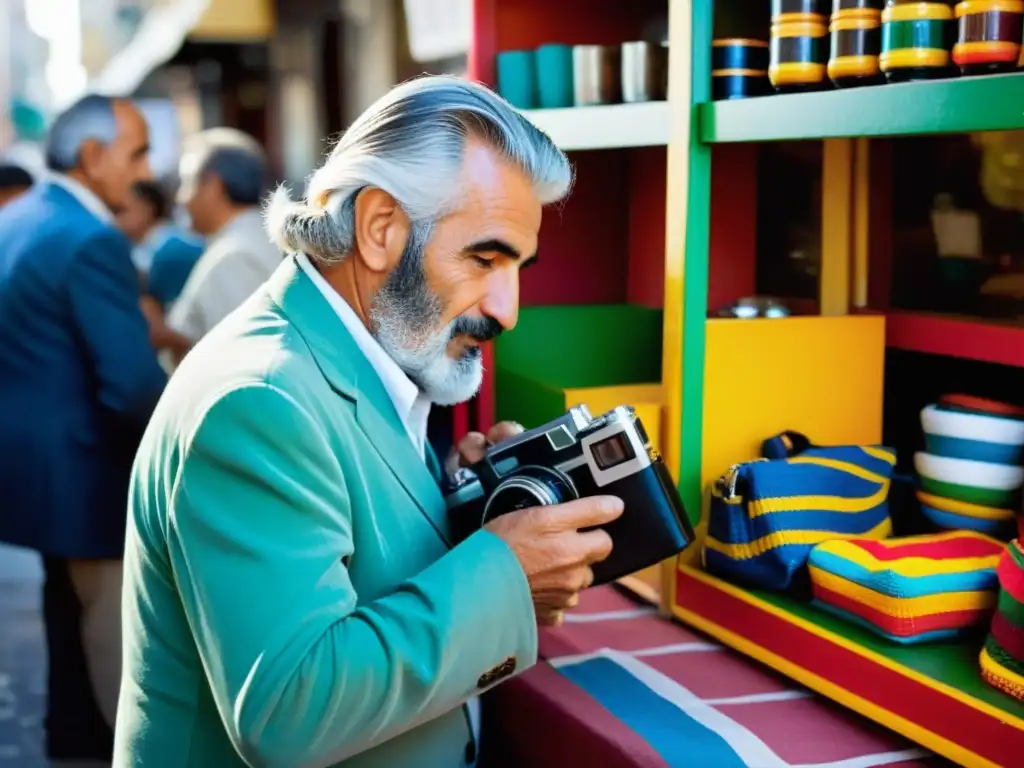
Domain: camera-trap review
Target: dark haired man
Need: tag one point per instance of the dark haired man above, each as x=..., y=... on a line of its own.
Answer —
x=142, y=213
x=223, y=178
x=164, y=253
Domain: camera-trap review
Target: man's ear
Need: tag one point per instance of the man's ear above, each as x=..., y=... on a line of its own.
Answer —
x=381, y=229
x=90, y=157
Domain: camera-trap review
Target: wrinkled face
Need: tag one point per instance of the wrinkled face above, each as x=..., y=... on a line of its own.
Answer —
x=456, y=285
x=136, y=218
x=113, y=169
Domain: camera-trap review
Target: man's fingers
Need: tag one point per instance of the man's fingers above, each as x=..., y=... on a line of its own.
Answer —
x=472, y=448
x=585, y=513
x=503, y=431
x=595, y=546
x=550, y=618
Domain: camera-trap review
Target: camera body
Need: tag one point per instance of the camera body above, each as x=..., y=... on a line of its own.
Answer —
x=573, y=457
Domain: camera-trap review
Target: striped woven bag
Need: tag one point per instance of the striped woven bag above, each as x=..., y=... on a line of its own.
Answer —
x=766, y=515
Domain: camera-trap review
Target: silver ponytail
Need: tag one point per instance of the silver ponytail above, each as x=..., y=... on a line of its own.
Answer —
x=311, y=229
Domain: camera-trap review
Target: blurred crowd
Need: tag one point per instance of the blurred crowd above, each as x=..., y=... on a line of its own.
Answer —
x=107, y=278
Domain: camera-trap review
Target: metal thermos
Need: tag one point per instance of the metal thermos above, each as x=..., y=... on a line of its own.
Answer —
x=644, y=71
x=596, y=74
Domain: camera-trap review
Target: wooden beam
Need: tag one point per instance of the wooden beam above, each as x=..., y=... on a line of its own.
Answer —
x=861, y=220
x=236, y=21
x=836, y=227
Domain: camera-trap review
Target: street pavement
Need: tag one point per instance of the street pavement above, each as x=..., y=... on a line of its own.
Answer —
x=22, y=660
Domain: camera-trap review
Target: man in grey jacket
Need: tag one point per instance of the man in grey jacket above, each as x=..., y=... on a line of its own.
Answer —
x=223, y=178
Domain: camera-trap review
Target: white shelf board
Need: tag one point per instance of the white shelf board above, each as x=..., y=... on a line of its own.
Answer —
x=608, y=126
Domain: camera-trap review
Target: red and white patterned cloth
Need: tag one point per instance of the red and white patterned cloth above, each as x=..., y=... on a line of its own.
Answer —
x=621, y=687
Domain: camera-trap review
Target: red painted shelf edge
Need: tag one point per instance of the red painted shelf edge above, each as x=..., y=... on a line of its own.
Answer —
x=954, y=336
x=939, y=718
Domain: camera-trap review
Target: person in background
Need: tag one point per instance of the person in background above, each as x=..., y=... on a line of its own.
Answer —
x=223, y=178
x=78, y=382
x=174, y=258
x=164, y=254
x=140, y=218
x=293, y=595
x=14, y=182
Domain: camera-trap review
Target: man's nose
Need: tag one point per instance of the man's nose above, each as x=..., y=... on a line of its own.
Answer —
x=502, y=299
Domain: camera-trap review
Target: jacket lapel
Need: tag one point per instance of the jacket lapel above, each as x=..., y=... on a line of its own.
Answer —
x=351, y=376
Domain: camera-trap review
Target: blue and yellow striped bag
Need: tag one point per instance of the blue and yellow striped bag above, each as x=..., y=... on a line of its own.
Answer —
x=766, y=515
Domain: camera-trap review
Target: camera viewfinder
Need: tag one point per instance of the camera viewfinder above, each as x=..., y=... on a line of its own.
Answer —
x=612, y=451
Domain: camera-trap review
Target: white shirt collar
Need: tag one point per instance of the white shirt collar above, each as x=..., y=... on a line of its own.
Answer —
x=412, y=405
x=88, y=199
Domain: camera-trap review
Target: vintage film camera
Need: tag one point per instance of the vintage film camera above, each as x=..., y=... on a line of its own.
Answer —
x=572, y=457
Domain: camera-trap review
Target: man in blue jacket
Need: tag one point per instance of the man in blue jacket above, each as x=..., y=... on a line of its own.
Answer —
x=78, y=378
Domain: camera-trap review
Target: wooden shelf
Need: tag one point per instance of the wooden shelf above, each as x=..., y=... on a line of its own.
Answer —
x=932, y=694
x=611, y=126
x=957, y=105
x=968, y=338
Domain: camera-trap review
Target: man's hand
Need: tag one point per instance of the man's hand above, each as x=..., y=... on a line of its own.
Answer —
x=152, y=311
x=473, y=446
x=555, y=556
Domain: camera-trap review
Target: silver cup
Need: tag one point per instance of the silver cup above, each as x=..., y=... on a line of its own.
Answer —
x=596, y=74
x=644, y=72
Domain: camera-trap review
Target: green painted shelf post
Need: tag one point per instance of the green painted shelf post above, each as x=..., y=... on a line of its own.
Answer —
x=695, y=266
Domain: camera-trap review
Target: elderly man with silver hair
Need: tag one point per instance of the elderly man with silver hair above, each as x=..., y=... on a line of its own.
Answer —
x=78, y=381
x=223, y=178
x=293, y=596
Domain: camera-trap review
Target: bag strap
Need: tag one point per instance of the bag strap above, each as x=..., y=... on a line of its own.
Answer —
x=785, y=445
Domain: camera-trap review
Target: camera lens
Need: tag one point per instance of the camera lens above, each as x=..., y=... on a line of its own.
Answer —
x=530, y=486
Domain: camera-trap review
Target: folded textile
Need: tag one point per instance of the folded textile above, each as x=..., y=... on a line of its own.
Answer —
x=910, y=590
x=1002, y=658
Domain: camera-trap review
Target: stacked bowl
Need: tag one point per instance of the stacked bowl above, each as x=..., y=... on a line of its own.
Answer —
x=970, y=472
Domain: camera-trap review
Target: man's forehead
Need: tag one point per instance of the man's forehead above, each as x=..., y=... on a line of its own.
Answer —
x=129, y=118
x=486, y=169
x=496, y=189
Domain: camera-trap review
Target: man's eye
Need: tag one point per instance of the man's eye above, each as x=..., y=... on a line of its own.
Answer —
x=483, y=261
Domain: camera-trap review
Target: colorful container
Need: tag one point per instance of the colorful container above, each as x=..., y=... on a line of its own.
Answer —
x=739, y=68
x=973, y=482
x=909, y=590
x=798, y=46
x=988, y=36
x=974, y=436
x=916, y=40
x=981, y=405
x=517, y=78
x=554, y=76
x=959, y=516
x=1002, y=658
x=856, y=42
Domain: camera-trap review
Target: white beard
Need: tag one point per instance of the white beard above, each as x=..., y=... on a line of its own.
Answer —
x=425, y=359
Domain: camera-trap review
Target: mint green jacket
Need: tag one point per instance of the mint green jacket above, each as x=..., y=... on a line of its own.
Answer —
x=290, y=596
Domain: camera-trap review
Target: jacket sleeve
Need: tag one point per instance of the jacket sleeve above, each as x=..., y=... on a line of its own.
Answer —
x=302, y=673
x=104, y=295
